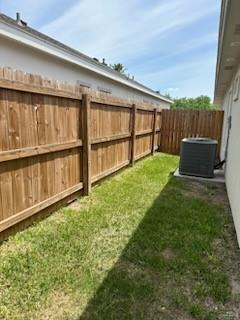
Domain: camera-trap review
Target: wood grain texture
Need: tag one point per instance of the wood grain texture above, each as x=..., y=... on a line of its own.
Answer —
x=154, y=130
x=34, y=151
x=40, y=144
x=31, y=88
x=133, y=134
x=14, y=219
x=179, y=124
x=56, y=138
x=86, y=123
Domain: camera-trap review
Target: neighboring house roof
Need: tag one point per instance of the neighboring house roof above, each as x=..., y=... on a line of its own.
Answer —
x=228, y=47
x=40, y=41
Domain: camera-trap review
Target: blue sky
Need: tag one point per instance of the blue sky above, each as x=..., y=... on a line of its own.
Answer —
x=169, y=45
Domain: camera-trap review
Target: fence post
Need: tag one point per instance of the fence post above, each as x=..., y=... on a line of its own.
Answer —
x=160, y=133
x=133, y=132
x=154, y=129
x=86, y=123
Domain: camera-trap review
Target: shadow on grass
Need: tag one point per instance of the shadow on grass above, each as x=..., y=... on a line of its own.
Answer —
x=169, y=269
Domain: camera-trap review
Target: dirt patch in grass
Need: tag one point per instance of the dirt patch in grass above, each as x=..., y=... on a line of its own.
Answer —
x=61, y=306
x=57, y=307
x=168, y=254
x=213, y=192
x=235, y=284
x=75, y=205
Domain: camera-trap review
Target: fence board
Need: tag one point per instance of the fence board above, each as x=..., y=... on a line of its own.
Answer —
x=154, y=130
x=86, y=122
x=133, y=135
x=57, y=139
x=179, y=124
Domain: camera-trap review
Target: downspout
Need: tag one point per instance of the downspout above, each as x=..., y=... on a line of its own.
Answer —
x=228, y=136
x=220, y=164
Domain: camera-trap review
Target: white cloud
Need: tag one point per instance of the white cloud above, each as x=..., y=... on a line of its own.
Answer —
x=154, y=39
x=35, y=12
x=30, y=10
x=178, y=48
x=170, y=89
x=192, y=77
x=115, y=29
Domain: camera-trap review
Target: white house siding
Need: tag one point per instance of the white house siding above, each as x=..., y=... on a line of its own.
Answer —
x=233, y=154
x=21, y=57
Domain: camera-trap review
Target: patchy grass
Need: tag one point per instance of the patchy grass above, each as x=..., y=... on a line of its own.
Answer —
x=143, y=246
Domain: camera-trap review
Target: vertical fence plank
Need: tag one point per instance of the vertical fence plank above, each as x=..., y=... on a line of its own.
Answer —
x=160, y=132
x=133, y=136
x=86, y=122
x=163, y=131
x=154, y=129
x=179, y=124
x=53, y=117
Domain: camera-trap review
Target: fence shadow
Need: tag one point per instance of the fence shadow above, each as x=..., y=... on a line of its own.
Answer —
x=143, y=284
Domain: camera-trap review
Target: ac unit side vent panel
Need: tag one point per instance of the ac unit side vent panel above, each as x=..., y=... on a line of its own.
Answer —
x=198, y=157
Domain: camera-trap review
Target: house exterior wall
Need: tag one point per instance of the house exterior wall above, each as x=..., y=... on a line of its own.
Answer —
x=232, y=108
x=226, y=106
x=21, y=57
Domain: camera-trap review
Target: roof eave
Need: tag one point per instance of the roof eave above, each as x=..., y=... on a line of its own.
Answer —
x=57, y=51
x=220, y=44
x=228, y=53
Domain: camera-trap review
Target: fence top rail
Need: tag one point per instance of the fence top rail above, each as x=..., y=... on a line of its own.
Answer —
x=182, y=110
x=124, y=103
x=26, y=82
x=113, y=101
x=32, y=88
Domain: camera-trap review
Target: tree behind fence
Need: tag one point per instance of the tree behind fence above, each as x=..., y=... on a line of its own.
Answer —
x=56, y=140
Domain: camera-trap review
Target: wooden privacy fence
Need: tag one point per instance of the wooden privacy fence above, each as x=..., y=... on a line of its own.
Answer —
x=179, y=124
x=56, y=140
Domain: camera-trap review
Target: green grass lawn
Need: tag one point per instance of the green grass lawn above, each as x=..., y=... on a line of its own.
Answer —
x=144, y=245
